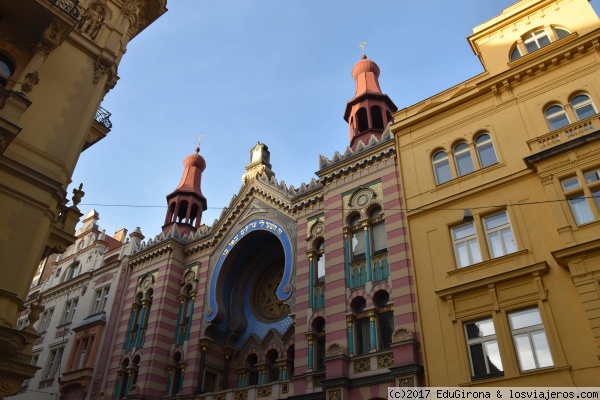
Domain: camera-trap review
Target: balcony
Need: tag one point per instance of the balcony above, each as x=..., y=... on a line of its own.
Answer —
x=565, y=134
x=99, y=129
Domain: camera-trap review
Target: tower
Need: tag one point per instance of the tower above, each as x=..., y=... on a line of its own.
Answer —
x=369, y=111
x=187, y=202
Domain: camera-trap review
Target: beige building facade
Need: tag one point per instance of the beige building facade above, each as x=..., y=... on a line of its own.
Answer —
x=58, y=59
x=80, y=294
x=501, y=176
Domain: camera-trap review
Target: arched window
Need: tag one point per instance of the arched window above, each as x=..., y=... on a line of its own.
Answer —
x=561, y=32
x=136, y=368
x=290, y=362
x=251, y=362
x=385, y=318
x=6, y=69
x=186, y=309
x=462, y=157
x=319, y=331
x=177, y=374
x=378, y=230
x=72, y=272
x=362, y=326
x=376, y=117
x=557, y=117
x=583, y=106
x=183, y=206
x=441, y=167
x=485, y=150
x=123, y=386
x=535, y=40
x=357, y=245
x=515, y=53
x=272, y=367
x=320, y=258
x=363, y=121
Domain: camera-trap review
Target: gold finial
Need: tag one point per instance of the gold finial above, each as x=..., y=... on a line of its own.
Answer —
x=362, y=46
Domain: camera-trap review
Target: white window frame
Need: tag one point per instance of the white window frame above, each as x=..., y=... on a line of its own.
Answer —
x=535, y=329
x=575, y=193
x=100, y=299
x=504, y=233
x=482, y=142
x=484, y=341
x=441, y=160
x=469, y=241
x=70, y=308
x=464, y=153
x=44, y=320
x=53, y=363
x=582, y=104
x=550, y=117
x=534, y=37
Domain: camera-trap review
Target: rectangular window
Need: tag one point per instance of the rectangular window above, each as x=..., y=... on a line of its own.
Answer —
x=499, y=235
x=358, y=245
x=466, y=245
x=100, y=299
x=53, y=363
x=379, y=237
x=530, y=339
x=44, y=321
x=363, y=336
x=69, y=312
x=578, y=195
x=483, y=349
x=84, y=345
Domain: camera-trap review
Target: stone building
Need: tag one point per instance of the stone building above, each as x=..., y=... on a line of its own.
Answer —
x=58, y=59
x=292, y=293
x=79, y=291
x=509, y=289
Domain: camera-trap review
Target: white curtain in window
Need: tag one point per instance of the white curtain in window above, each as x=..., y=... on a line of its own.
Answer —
x=581, y=210
x=379, y=238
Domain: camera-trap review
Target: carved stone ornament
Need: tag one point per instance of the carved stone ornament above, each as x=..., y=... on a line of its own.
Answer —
x=92, y=20
x=334, y=394
x=102, y=66
x=31, y=79
x=129, y=9
x=402, y=334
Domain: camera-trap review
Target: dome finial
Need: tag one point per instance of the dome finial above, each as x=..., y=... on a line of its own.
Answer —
x=362, y=47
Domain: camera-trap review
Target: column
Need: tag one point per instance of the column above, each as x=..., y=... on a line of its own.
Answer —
x=190, y=313
x=180, y=388
x=118, y=385
x=241, y=379
x=368, y=252
x=177, y=327
x=350, y=324
x=282, y=365
x=142, y=319
x=132, y=317
x=309, y=337
x=227, y=358
x=347, y=258
x=169, y=381
x=41, y=53
x=311, y=282
x=203, y=348
x=373, y=330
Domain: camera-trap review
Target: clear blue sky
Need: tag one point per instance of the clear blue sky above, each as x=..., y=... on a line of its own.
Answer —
x=274, y=71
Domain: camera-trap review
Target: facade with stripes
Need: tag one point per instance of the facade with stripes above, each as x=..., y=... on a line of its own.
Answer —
x=292, y=293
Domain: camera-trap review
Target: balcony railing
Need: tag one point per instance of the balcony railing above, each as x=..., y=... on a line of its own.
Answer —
x=565, y=134
x=103, y=117
x=69, y=6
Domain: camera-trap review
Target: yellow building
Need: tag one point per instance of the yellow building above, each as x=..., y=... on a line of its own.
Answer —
x=58, y=59
x=508, y=291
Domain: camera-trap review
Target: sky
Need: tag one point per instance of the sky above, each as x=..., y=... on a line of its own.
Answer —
x=271, y=71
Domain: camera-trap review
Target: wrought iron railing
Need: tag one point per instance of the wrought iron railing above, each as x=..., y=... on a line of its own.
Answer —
x=103, y=117
x=69, y=6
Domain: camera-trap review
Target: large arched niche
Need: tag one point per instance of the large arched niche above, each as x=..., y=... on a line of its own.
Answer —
x=250, y=283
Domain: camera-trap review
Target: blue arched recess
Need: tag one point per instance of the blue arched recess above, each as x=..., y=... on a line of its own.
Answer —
x=284, y=290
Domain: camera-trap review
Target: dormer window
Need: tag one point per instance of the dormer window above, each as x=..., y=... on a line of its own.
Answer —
x=537, y=39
